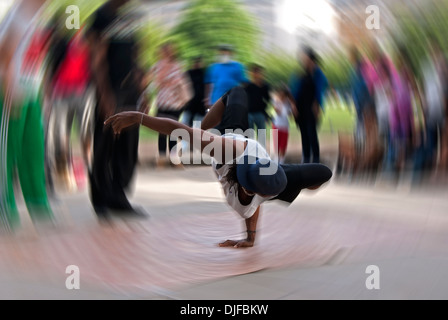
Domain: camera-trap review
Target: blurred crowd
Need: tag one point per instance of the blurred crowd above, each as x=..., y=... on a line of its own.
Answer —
x=56, y=81
x=400, y=117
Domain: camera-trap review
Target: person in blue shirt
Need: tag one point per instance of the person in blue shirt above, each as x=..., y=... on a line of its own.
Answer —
x=223, y=75
x=359, y=92
x=308, y=91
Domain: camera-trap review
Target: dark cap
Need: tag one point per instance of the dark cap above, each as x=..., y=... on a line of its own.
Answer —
x=251, y=177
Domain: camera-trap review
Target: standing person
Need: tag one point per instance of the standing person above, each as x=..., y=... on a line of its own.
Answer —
x=118, y=81
x=284, y=108
x=195, y=108
x=360, y=96
x=434, y=102
x=23, y=45
x=243, y=167
x=308, y=91
x=258, y=94
x=70, y=98
x=173, y=92
x=402, y=127
x=223, y=75
x=384, y=105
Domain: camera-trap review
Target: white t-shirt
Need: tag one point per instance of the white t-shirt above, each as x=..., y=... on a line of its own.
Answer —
x=281, y=120
x=254, y=149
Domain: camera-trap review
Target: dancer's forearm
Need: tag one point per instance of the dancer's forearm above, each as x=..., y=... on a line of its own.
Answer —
x=251, y=225
x=196, y=136
x=164, y=125
x=200, y=139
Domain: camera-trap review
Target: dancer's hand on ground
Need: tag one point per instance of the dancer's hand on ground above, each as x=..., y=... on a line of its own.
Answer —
x=237, y=243
x=123, y=120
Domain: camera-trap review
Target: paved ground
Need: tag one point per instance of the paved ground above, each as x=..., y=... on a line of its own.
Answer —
x=317, y=248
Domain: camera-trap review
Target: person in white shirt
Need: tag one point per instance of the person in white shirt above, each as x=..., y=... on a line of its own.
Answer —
x=284, y=108
x=243, y=167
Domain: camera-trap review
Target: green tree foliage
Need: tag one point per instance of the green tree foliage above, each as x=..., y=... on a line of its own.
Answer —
x=417, y=29
x=150, y=38
x=337, y=69
x=206, y=24
x=86, y=8
x=279, y=66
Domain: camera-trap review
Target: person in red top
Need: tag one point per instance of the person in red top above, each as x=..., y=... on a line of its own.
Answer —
x=70, y=98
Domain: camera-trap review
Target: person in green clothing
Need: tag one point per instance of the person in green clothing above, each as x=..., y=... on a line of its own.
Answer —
x=21, y=127
x=25, y=157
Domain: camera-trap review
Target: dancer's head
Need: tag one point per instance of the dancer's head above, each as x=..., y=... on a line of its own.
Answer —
x=225, y=53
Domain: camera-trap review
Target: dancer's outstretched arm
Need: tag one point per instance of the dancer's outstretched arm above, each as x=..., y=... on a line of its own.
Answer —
x=166, y=126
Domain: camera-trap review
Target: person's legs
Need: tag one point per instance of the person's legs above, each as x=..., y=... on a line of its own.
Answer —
x=86, y=113
x=14, y=136
x=31, y=164
x=389, y=160
x=162, y=144
x=49, y=126
x=171, y=114
x=197, y=118
x=418, y=159
x=187, y=118
x=125, y=159
x=306, y=146
x=162, y=139
x=282, y=144
x=251, y=120
x=260, y=120
x=303, y=176
x=275, y=136
x=172, y=143
x=100, y=175
x=4, y=119
x=120, y=177
x=313, y=139
x=431, y=146
x=68, y=158
x=58, y=136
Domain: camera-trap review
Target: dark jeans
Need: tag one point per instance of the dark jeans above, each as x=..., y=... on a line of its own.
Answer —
x=433, y=134
x=114, y=159
x=302, y=176
x=310, y=140
x=162, y=137
x=258, y=120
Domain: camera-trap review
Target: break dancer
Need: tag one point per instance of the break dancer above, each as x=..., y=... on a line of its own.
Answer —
x=243, y=167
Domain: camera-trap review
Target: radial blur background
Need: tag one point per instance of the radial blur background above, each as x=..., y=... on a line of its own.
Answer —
x=408, y=34
x=384, y=119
